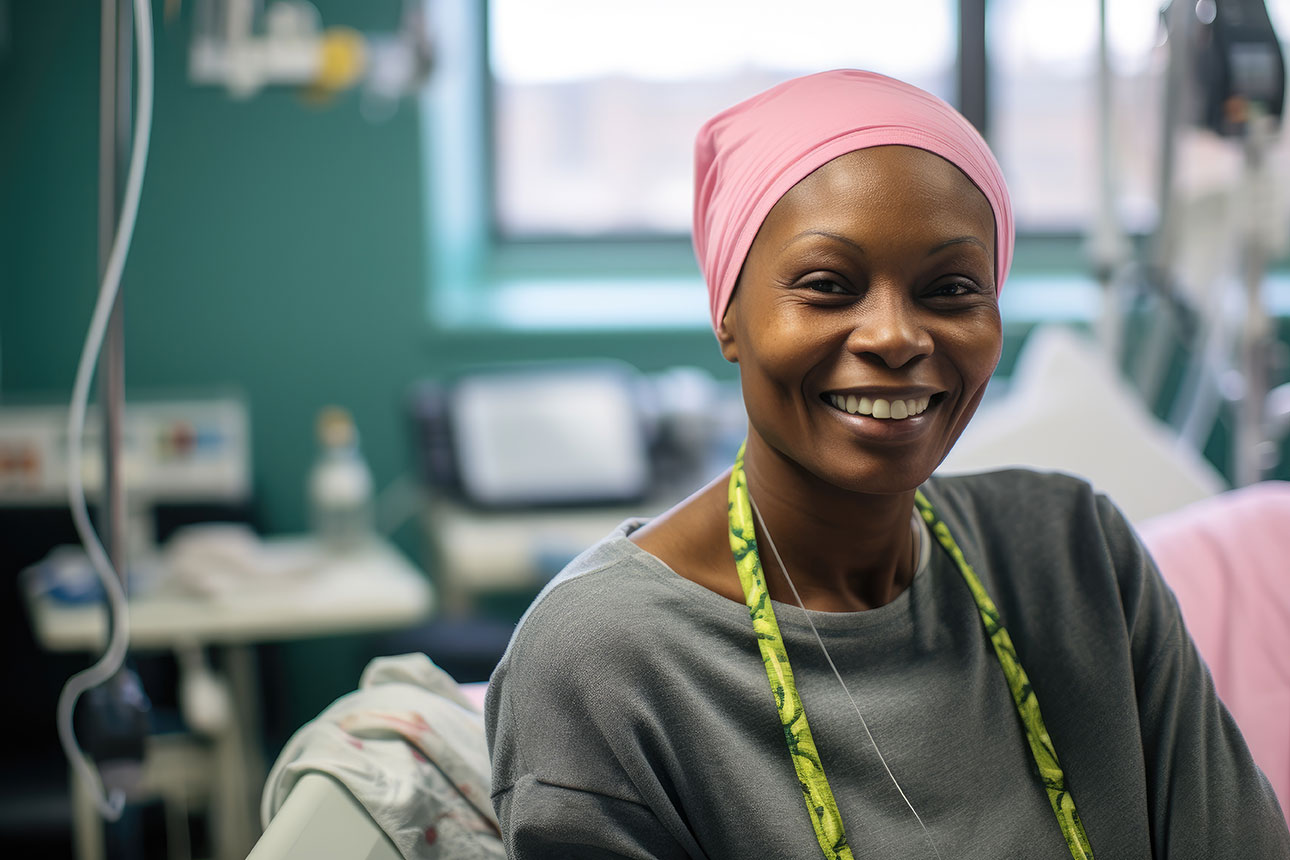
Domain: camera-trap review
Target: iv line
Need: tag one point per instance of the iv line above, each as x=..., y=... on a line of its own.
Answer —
x=114, y=656
x=775, y=551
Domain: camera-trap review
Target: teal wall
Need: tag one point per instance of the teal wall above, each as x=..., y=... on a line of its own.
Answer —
x=280, y=249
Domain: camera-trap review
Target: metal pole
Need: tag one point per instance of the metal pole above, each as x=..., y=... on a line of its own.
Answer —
x=1175, y=99
x=973, y=74
x=1106, y=242
x=116, y=99
x=1253, y=451
x=1151, y=363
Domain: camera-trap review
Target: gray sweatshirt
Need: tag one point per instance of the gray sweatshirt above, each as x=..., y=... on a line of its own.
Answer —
x=631, y=715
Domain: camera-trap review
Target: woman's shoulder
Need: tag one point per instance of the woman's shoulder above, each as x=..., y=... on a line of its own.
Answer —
x=691, y=539
x=573, y=627
x=1006, y=503
x=1036, y=533
x=1012, y=488
x=605, y=635
x=607, y=599
x=611, y=569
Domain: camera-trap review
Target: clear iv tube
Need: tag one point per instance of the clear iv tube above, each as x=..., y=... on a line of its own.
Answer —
x=114, y=656
x=779, y=561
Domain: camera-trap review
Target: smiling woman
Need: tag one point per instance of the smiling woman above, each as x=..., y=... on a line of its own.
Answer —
x=828, y=649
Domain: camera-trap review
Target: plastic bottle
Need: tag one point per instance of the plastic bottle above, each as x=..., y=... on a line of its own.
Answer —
x=340, y=485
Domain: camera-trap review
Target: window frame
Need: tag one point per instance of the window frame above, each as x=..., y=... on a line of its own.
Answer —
x=476, y=274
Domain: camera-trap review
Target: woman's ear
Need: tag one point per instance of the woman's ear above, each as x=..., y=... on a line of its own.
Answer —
x=726, y=334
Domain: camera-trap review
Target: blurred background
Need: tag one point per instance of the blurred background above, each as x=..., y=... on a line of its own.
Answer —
x=410, y=317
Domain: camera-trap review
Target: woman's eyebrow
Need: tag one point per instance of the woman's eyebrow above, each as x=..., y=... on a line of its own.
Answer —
x=937, y=248
x=958, y=240
x=826, y=234
x=839, y=237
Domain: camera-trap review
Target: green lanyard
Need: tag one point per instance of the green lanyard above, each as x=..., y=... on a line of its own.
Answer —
x=820, y=804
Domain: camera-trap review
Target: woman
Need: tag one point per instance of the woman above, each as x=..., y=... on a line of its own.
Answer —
x=1012, y=677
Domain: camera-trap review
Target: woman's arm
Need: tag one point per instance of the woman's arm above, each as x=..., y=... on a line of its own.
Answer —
x=540, y=820
x=568, y=763
x=1207, y=799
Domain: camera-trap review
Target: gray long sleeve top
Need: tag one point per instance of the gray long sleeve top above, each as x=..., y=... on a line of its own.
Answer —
x=631, y=715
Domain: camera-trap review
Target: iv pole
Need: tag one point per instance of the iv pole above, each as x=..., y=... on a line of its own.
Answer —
x=115, y=113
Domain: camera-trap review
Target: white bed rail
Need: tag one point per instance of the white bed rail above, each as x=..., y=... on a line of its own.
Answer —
x=321, y=820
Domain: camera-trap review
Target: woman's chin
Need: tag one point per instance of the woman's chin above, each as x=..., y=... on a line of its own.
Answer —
x=875, y=476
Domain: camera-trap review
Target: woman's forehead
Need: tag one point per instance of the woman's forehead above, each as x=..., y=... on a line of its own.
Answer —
x=885, y=179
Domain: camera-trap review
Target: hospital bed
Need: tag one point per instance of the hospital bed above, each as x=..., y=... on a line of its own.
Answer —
x=395, y=769
x=321, y=820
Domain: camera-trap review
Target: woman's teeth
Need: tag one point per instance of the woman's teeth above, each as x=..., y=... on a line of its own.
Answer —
x=878, y=407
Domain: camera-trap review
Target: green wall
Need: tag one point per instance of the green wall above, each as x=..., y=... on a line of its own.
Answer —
x=280, y=248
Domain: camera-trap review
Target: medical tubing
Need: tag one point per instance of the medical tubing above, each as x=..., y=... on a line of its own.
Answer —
x=775, y=551
x=114, y=656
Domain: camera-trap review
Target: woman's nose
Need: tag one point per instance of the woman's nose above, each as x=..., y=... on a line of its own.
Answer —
x=887, y=328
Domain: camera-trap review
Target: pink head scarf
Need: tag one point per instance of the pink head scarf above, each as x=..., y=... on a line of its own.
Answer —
x=748, y=156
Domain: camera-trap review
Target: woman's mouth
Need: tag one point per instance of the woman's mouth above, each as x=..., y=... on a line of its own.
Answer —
x=880, y=407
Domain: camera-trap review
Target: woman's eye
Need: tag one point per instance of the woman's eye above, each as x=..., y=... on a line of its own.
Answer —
x=955, y=288
x=826, y=286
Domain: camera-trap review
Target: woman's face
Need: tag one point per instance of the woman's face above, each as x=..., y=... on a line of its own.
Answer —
x=866, y=320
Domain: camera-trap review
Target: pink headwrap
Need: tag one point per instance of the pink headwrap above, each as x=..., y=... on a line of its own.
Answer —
x=748, y=156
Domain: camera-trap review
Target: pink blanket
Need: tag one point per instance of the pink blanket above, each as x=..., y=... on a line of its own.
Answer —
x=1227, y=559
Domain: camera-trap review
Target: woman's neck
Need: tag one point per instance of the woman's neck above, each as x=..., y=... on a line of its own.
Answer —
x=845, y=551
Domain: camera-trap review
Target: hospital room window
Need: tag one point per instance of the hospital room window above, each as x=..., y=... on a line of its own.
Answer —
x=594, y=109
x=1044, y=120
x=559, y=133
x=1044, y=111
